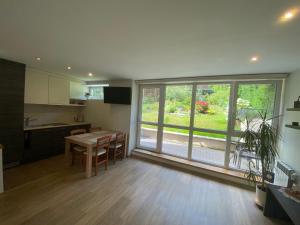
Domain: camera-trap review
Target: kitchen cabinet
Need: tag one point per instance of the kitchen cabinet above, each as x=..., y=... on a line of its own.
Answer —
x=44, y=143
x=36, y=87
x=77, y=90
x=12, y=81
x=59, y=91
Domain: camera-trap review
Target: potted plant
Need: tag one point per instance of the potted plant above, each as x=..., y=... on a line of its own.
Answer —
x=260, y=138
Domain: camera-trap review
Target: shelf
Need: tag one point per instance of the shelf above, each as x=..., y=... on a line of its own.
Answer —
x=293, y=109
x=293, y=127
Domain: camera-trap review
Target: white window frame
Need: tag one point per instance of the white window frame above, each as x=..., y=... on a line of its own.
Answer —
x=97, y=85
x=230, y=132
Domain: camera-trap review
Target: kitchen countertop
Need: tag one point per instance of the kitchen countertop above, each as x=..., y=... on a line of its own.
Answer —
x=37, y=127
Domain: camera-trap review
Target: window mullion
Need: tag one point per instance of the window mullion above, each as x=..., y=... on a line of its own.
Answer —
x=161, y=117
x=190, y=146
x=231, y=121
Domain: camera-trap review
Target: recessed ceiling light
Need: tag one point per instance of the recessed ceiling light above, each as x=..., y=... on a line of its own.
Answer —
x=288, y=15
x=254, y=58
x=69, y=67
x=90, y=74
x=38, y=58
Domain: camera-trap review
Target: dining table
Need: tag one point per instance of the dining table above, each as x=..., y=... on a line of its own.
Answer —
x=88, y=141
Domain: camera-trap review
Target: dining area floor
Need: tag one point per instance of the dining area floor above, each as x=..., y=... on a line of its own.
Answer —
x=131, y=192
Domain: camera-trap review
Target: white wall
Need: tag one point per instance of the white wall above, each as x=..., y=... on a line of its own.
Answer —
x=50, y=114
x=290, y=141
x=108, y=116
x=114, y=116
x=133, y=116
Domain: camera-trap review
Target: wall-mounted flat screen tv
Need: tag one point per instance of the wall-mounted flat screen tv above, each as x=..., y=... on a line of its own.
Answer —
x=117, y=95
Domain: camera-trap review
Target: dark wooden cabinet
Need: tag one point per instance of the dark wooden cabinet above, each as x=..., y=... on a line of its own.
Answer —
x=44, y=143
x=12, y=81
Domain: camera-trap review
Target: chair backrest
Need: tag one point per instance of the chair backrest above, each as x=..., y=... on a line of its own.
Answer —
x=94, y=129
x=103, y=142
x=120, y=138
x=78, y=131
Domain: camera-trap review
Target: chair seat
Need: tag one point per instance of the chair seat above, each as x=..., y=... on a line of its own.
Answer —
x=79, y=148
x=100, y=152
x=119, y=145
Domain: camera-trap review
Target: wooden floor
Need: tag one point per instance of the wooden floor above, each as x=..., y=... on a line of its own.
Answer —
x=131, y=192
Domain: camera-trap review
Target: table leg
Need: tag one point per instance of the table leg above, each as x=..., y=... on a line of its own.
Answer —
x=89, y=157
x=67, y=152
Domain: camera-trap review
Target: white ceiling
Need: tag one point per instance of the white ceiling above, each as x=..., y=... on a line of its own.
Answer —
x=141, y=39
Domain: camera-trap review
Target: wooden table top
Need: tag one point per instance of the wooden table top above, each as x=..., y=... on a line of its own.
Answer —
x=90, y=139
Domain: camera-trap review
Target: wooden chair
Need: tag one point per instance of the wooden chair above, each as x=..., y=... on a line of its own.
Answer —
x=94, y=129
x=118, y=146
x=100, y=153
x=76, y=149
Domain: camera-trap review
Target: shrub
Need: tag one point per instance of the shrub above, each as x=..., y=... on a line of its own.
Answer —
x=202, y=106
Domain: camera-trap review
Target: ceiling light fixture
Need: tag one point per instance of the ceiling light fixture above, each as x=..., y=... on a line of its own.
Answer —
x=288, y=15
x=254, y=58
x=90, y=74
x=69, y=67
x=38, y=58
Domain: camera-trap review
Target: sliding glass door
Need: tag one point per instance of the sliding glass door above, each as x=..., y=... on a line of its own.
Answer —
x=252, y=99
x=176, y=123
x=211, y=123
x=149, y=115
x=202, y=121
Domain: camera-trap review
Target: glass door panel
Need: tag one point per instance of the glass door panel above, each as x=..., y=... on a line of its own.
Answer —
x=148, y=136
x=178, y=105
x=209, y=147
x=211, y=106
x=252, y=100
x=148, y=124
x=150, y=104
x=175, y=142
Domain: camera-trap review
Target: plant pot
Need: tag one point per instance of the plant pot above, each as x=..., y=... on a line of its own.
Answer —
x=261, y=195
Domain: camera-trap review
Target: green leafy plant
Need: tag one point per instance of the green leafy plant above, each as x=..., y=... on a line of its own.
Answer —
x=261, y=138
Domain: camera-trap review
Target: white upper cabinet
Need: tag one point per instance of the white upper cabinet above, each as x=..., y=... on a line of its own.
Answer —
x=36, y=87
x=59, y=91
x=77, y=90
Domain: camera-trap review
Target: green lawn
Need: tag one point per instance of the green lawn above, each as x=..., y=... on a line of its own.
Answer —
x=215, y=121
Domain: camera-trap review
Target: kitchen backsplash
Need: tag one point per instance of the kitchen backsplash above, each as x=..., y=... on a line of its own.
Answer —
x=43, y=114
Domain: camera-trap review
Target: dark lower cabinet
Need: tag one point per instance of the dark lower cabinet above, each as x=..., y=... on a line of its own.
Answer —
x=44, y=143
x=12, y=81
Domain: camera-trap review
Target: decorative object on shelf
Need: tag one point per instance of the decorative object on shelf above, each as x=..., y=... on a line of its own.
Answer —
x=295, y=123
x=260, y=137
x=297, y=103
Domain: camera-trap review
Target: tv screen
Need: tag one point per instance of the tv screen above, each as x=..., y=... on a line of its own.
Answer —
x=117, y=95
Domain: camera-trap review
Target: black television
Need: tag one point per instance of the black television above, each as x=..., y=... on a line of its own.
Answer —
x=117, y=95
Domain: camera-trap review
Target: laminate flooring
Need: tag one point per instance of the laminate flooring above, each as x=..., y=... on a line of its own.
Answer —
x=131, y=192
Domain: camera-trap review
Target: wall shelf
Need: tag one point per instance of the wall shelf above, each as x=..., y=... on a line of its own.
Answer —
x=293, y=109
x=293, y=127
